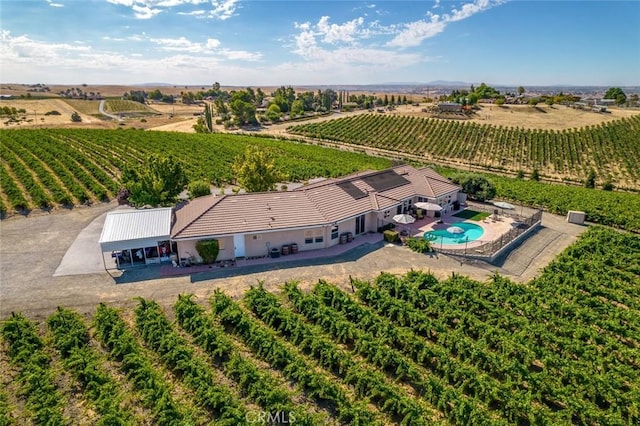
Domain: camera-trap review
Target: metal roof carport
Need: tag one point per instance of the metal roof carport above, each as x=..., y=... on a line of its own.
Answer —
x=129, y=229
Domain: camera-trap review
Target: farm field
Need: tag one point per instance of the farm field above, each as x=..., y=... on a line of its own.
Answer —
x=86, y=107
x=48, y=169
x=560, y=349
x=542, y=117
x=118, y=106
x=43, y=169
x=611, y=149
x=37, y=109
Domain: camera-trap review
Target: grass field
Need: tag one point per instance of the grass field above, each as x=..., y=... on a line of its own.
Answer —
x=85, y=107
x=472, y=215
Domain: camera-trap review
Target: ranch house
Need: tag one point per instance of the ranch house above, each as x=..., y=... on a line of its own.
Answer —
x=315, y=216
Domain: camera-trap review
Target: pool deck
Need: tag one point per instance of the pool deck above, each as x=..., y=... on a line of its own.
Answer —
x=493, y=228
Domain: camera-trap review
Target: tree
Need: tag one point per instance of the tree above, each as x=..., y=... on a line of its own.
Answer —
x=243, y=109
x=521, y=90
x=255, y=170
x=328, y=97
x=207, y=117
x=591, y=179
x=617, y=94
x=535, y=175
x=476, y=186
x=200, y=126
x=158, y=181
x=273, y=113
x=260, y=95
x=297, y=107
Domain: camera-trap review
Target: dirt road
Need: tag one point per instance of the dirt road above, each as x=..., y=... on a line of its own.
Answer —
x=32, y=248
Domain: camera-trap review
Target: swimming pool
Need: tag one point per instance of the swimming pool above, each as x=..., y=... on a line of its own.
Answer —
x=471, y=232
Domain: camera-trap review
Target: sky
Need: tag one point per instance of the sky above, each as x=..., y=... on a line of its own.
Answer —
x=330, y=42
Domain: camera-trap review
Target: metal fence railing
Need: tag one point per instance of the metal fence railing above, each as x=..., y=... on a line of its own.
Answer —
x=489, y=249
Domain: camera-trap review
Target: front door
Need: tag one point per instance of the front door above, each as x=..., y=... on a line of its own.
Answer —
x=360, y=224
x=238, y=245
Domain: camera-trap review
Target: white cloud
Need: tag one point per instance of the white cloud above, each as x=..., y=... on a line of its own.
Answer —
x=224, y=9
x=334, y=33
x=307, y=47
x=52, y=4
x=193, y=13
x=342, y=44
x=26, y=59
x=210, y=47
x=415, y=32
x=147, y=9
x=145, y=12
x=22, y=48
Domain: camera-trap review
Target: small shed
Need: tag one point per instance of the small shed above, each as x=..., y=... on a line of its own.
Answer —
x=576, y=217
x=137, y=237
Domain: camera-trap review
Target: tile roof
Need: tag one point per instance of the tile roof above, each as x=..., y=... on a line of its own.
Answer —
x=320, y=203
x=252, y=212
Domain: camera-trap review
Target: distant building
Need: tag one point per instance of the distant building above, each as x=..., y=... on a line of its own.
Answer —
x=605, y=102
x=449, y=107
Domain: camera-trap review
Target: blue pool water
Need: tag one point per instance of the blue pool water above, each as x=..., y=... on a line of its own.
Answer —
x=441, y=236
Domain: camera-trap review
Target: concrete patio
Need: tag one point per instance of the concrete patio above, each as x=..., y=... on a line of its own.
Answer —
x=283, y=260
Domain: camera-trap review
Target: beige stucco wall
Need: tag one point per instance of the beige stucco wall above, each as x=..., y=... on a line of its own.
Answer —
x=189, y=247
x=259, y=244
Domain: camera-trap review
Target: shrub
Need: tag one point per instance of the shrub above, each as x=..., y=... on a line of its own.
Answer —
x=419, y=245
x=199, y=188
x=208, y=250
x=391, y=236
x=75, y=117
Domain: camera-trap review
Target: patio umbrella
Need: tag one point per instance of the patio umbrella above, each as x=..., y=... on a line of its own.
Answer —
x=504, y=205
x=428, y=206
x=455, y=230
x=404, y=219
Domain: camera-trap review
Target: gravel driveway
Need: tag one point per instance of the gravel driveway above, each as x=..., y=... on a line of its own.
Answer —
x=52, y=259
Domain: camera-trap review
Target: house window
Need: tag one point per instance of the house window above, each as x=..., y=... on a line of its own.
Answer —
x=319, y=239
x=334, y=232
x=308, y=240
x=387, y=213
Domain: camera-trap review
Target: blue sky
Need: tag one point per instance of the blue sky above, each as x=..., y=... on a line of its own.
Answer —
x=264, y=42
